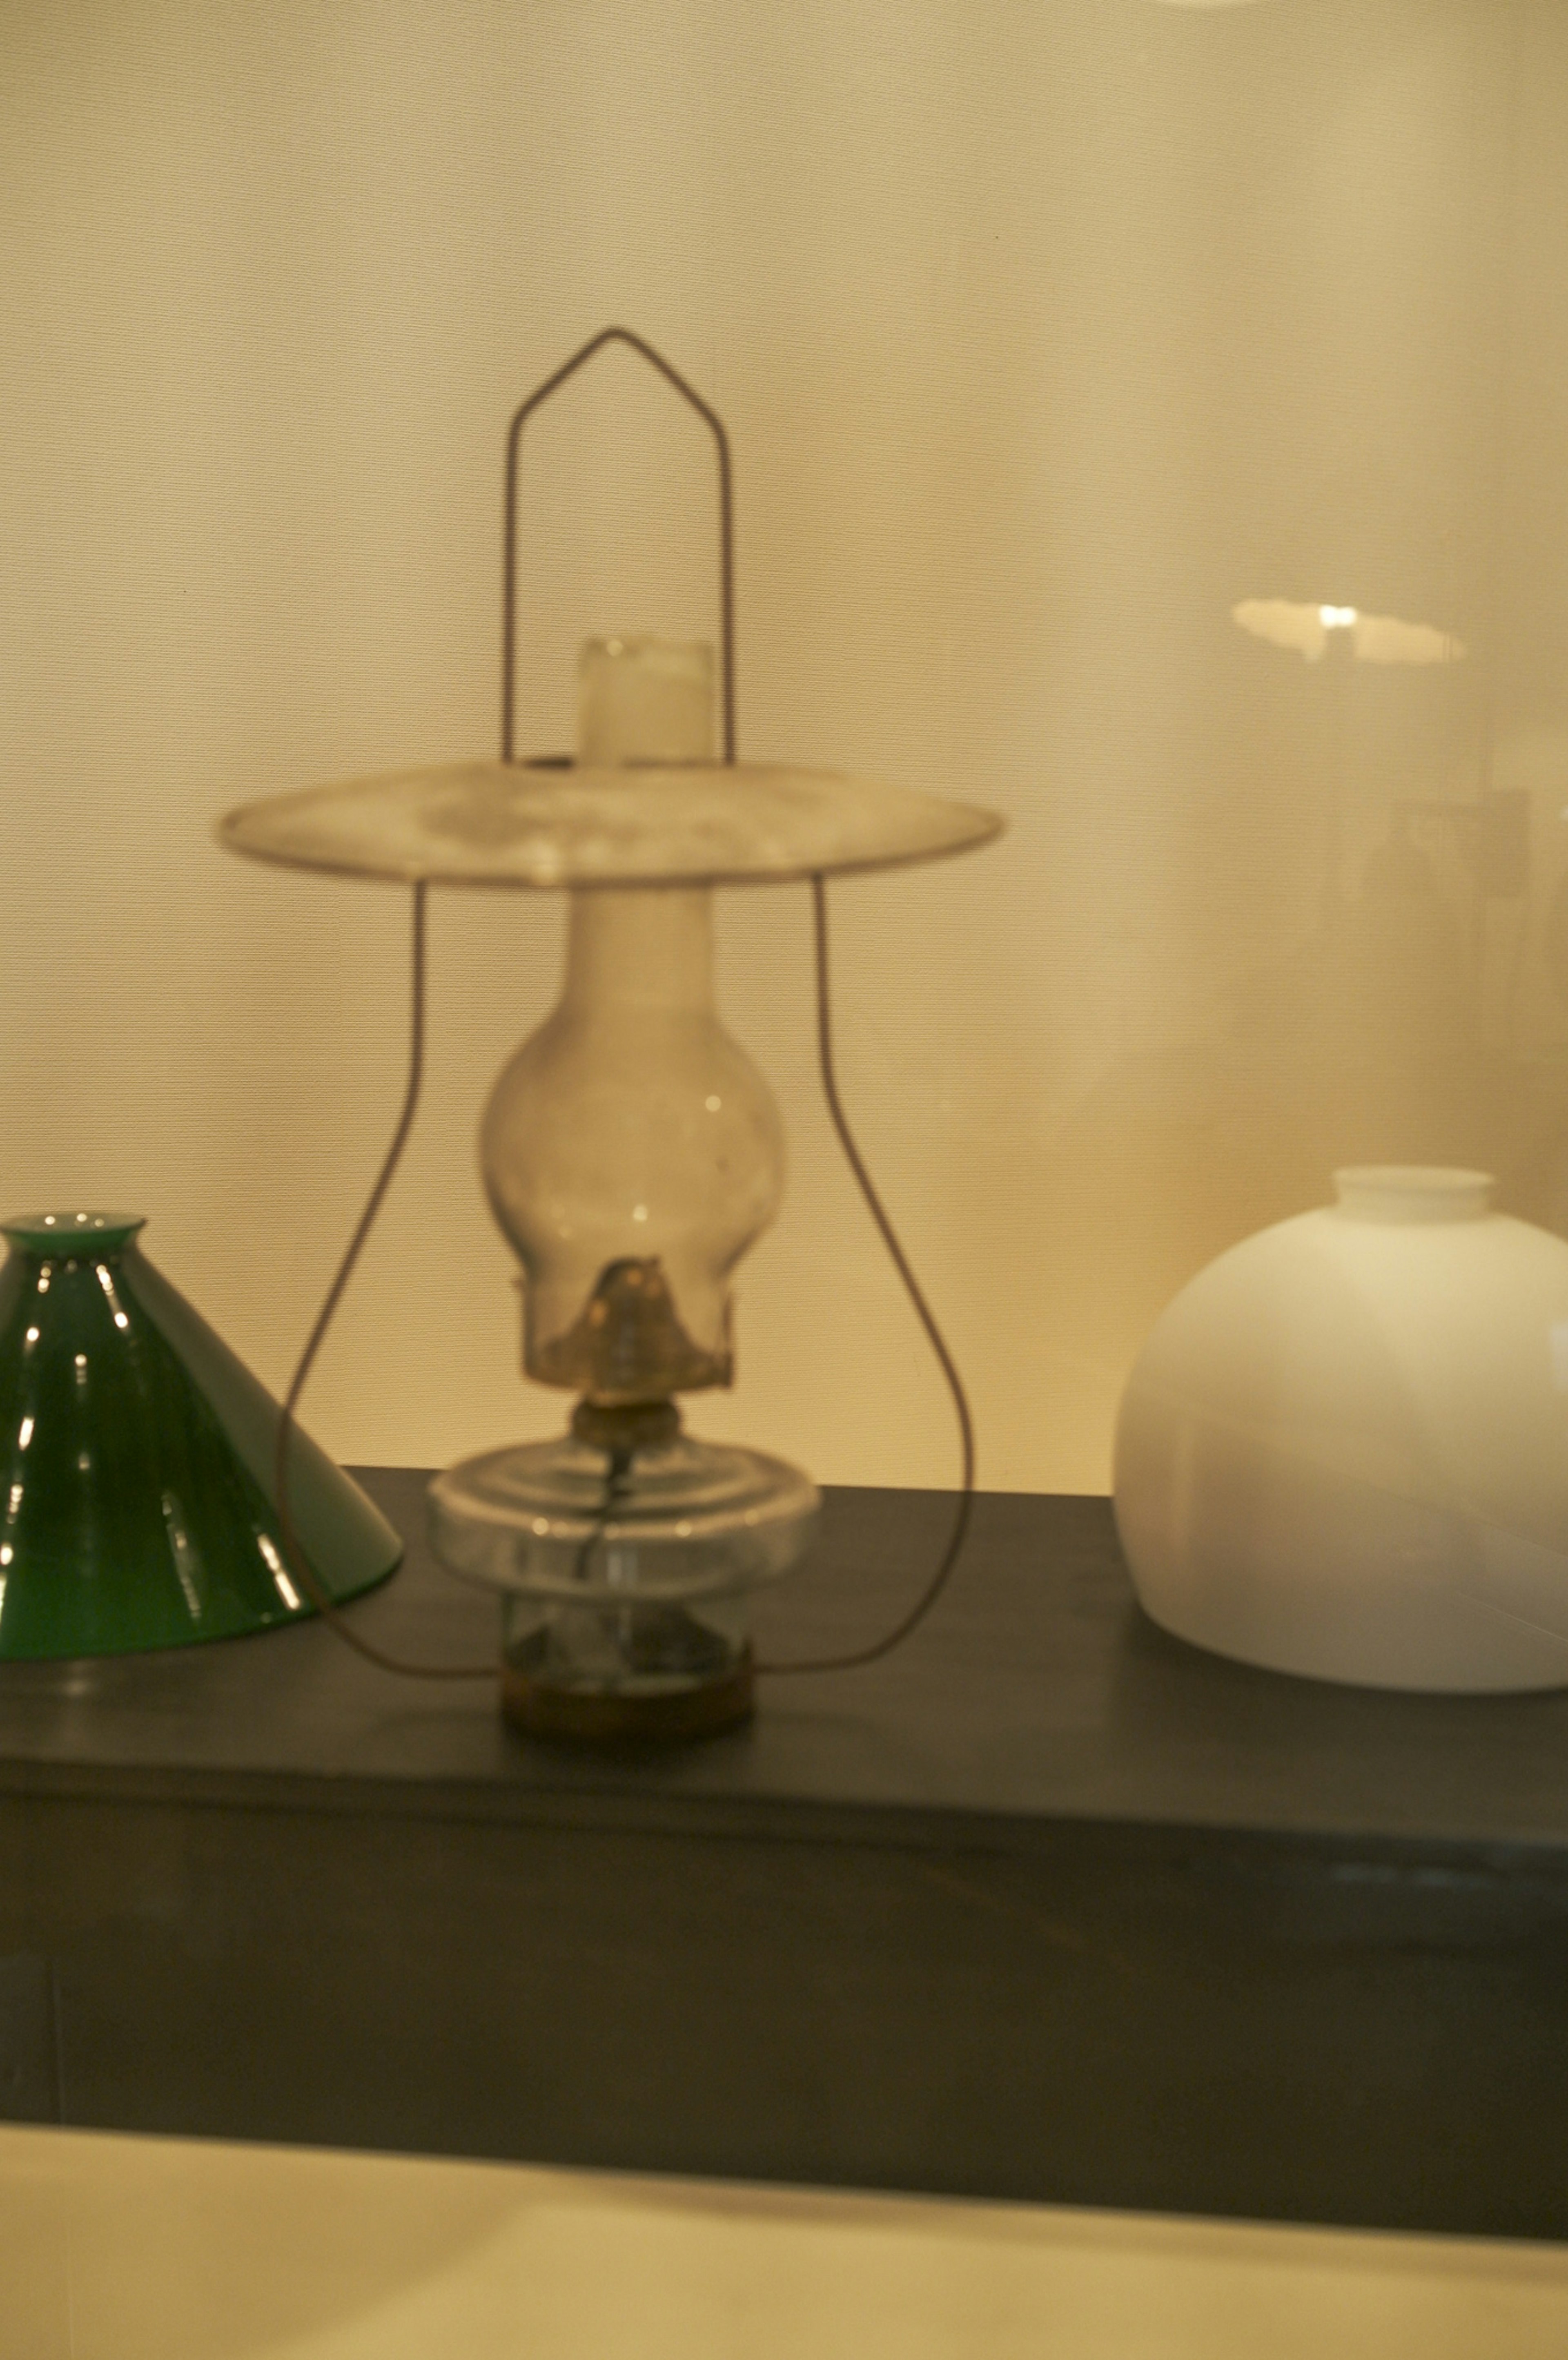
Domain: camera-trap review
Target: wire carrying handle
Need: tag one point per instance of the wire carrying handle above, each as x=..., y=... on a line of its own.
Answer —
x=715, y=426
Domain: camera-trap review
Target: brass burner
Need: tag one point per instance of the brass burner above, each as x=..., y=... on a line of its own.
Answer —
x=627, y=1343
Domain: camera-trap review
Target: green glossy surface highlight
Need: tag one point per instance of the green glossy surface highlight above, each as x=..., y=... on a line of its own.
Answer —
x=69, y=1232
x=136, y=1508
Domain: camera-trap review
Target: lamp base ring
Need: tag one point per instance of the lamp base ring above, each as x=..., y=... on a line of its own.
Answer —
x=586, y=1716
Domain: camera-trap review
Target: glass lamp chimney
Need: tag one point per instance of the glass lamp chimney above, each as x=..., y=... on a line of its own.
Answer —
x=631, y=1151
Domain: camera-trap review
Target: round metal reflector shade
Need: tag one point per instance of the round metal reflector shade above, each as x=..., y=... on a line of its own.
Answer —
x=561, y=825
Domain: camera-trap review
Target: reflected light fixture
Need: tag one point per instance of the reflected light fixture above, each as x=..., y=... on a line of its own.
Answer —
x=1311, y=630
x=630, y=1150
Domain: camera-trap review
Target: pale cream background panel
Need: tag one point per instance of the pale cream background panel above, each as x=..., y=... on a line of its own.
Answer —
x=1046, y=333
x=162, y=2249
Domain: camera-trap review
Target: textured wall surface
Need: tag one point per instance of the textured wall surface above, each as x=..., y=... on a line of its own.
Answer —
x=1046, y=333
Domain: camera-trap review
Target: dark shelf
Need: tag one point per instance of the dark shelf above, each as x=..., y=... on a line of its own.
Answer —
x=1044, y=1905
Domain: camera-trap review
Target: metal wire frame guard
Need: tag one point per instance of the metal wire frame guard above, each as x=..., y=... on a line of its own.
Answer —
x=318, y=1596
x=326, y=1607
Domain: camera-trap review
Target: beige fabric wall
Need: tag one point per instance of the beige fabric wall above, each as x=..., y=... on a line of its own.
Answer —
x=1047, y=330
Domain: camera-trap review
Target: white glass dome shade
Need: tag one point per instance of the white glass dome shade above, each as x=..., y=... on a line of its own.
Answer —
x=1342, y=1450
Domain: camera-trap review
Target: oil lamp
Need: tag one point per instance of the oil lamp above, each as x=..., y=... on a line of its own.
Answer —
x=630, y=1150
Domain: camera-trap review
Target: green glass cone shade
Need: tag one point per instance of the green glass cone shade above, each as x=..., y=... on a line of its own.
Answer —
x=136, y=1460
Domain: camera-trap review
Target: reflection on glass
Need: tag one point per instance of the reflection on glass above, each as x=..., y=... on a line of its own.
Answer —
x=1309, y=629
